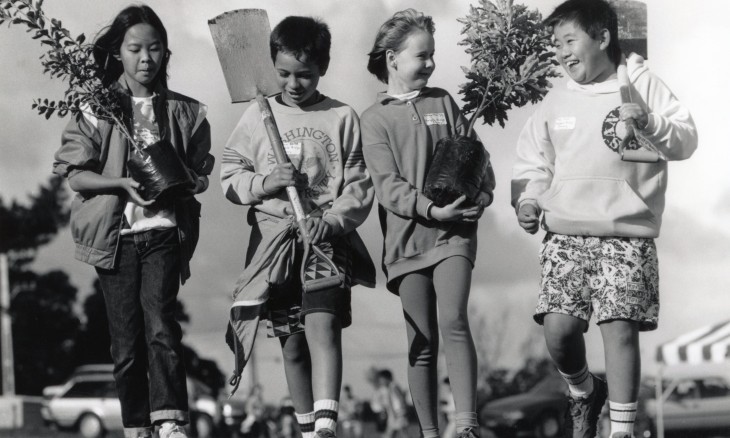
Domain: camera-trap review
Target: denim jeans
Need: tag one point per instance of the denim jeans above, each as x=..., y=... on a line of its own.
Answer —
x=140, y=296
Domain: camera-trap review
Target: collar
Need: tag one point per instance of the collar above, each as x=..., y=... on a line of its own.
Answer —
x=385, y=98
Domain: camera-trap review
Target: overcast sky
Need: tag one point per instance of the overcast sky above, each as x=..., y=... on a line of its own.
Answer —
x=687, y=48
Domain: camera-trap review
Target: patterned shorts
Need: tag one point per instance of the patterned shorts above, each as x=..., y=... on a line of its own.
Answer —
x=288, y=306
x=615, y=277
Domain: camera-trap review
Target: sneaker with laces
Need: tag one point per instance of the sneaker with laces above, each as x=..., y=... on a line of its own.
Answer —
x=581, y=418
x=469, y=432
x=325, y=433
x=172, y=430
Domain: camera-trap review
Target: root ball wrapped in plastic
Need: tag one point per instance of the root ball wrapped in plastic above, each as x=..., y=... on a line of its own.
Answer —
x=458, y=168
x=160, y=171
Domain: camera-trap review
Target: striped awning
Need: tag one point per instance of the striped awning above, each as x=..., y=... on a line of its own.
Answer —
x=710, y=344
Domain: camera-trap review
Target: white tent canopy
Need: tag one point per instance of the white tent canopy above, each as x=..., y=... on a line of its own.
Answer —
x=710, y=344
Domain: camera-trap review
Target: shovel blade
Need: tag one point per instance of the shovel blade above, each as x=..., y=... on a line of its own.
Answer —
x=241, y=38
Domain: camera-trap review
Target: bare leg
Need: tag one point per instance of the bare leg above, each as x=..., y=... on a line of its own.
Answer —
x=565, y=343
x=623, y=361
x=298, y=370
x=325, y=345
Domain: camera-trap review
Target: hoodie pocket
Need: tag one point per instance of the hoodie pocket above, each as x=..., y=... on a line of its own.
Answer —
x=595, y=206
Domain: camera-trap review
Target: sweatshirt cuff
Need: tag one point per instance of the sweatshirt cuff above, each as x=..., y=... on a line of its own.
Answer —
x=257, y=186
x=527, y=201
x=334, y=223
x=651, y=124
x=422, y=204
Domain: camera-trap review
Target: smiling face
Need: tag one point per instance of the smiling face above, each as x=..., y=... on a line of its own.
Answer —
x=141, y=54
x=584, y=59
x=297, y=78
x=410, y=68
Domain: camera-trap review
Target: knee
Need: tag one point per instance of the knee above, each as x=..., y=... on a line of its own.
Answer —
x=621, y=334
x=454, y=325
x=295, y=351
x=560, y=337
x=322, y=329
x=163, y=332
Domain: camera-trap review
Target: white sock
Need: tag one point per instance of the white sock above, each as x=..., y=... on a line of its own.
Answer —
x=623, y=416
x=306, y=424
x=325, y=414
x=580, y=384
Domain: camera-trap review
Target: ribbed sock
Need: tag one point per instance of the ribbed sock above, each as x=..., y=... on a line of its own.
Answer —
x=465, y=420
x=580, y=384
x=623, y=416
x=306, y=424
x=325, y=414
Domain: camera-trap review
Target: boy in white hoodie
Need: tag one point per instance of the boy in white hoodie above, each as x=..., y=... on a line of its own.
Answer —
x=601, y=213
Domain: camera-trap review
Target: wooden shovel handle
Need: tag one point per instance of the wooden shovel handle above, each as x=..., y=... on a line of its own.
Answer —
x=275, y=139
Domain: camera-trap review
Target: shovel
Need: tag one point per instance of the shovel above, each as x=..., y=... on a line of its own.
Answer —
x=634, y=147
x=241, y=38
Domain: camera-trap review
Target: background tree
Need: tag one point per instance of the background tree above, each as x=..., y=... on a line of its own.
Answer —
x=43, y=320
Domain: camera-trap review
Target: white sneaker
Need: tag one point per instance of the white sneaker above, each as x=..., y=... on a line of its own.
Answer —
x=170, y=429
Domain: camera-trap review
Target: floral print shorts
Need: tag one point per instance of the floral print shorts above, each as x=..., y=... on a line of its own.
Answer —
x=613, y=277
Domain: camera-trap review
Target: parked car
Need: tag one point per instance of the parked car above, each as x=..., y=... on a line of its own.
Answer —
x=88, y=402
x=539, y=412
x=697, y=406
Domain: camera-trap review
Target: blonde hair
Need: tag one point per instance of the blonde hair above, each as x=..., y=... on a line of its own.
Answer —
x=391, y=36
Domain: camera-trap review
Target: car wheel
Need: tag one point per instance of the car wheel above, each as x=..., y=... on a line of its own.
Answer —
x=204, y=426
x=90, y=426
x=547, y=425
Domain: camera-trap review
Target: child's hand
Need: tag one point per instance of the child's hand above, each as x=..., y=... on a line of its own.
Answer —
x=132, y=187
x=636, y=112
x=284, y=175
x=528, y=218
x=319, y=230
x=454, y=212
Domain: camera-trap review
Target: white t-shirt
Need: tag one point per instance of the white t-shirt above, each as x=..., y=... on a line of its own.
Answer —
x=146, y=131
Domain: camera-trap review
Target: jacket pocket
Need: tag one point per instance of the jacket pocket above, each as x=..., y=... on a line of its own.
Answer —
x=595, y=206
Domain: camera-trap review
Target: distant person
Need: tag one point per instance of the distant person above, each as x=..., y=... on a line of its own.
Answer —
x=601, y=213
x=254, y=424
x=428, y=251
x=350, y=414
x=392, y=401
x=322, y=138
x=286, y=420
x=140, y=249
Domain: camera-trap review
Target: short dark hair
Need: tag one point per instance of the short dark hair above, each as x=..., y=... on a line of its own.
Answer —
x=391, y=36
x=307, y=38
x=109, y=41
x=592, y=16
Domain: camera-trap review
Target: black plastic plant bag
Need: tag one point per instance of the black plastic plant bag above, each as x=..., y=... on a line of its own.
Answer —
x=160, y=171
x=458, y=168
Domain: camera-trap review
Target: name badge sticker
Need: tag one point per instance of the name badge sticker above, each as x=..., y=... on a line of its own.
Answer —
x=435, y=119
x=564, y=123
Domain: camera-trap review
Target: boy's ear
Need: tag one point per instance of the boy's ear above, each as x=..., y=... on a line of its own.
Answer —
x=323, y=69
x=604, y=37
